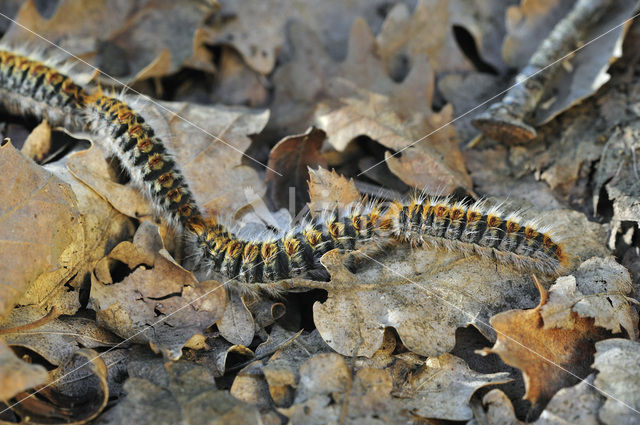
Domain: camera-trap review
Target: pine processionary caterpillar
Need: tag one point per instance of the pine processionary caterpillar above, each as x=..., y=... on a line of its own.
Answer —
x=29, y=85
x=144, y=156
x=432, y=221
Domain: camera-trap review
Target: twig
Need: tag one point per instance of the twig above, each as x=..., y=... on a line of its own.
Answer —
x=51, y=315
x=505, y=121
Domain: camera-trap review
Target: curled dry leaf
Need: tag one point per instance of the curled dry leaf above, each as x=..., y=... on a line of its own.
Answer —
x=266, y=312
x=583, y=72
x=357, y=97
x=550, y=358
x=216, y=356
x=161, y=393
x=573, y=405
x=38, y=143
x=443, y=386
x=129, y=41
x=78, y=393
x=209, y=144
x=425, y=294
x=328, y=188
x=157, y=301
x=41, y=232
x=600, y=289
x=619, y=380
x=291, y=158
x=16, y=375
x=56, y=341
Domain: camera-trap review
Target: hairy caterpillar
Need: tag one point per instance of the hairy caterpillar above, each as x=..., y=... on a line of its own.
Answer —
x=144, y=156
x=29, y=85
x=32, y=86
x=431, y=221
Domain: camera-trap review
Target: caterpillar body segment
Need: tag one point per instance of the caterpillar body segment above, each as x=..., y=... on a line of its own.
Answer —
x=144, y=155
x=266, y=259
x=475, y=229
x=32, y=87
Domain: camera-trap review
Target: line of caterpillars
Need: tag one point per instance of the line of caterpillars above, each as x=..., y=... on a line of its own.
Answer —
x=436, y=221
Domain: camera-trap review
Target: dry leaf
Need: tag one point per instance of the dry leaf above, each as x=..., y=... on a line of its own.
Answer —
x=236, y=324
x=617, y=175
x=617, y=361
x=16, y=375
x=103, y=227
x=326, y=395
x=573, y=405
x=236, y=83
x=360, y=99
x=57, y=340
x=281, y=371
x=328, y=189
x=78, y=393
x=41, y=230
x=443, y=386
x=493, y=175
x=219, y=355
x=467, y=93
x=38, y=143
x=250, y=386
x=91, y=168
x=357, y=97
x=129, y=41
x=426, y=294
x=550, y=358
x=430, y=29
x=291, y=158
x=157, y=301
x=600, y=289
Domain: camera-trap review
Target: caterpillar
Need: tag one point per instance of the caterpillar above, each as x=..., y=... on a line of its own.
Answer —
x=28, y=85
x=32, y=86
x=473, y=229
x=144, y=156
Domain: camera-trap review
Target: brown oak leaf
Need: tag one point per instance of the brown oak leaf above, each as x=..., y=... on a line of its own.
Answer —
x=550, y=358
